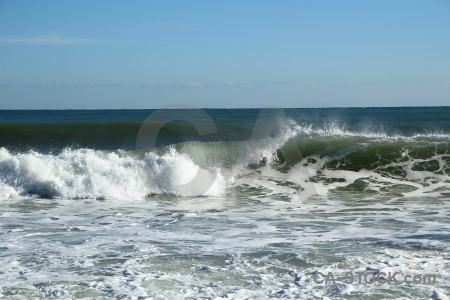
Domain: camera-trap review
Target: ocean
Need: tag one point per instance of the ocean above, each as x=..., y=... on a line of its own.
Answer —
x=187, y=203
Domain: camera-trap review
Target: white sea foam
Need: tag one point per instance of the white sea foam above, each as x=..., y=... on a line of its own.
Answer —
x=334, y=128
x=199, y=169
x=278, y=225
x=85, y=173
x=257, y=247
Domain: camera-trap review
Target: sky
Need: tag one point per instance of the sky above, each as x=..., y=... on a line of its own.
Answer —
x=223, y=54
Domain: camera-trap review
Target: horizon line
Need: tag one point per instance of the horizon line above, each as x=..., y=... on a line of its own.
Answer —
x=211, y=108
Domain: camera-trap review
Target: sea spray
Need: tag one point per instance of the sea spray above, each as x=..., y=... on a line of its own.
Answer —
x=87, y=173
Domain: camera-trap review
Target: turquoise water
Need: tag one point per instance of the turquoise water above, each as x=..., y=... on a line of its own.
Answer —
x=224, y=204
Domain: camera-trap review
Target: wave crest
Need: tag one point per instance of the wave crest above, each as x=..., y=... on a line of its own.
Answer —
x=86, y=173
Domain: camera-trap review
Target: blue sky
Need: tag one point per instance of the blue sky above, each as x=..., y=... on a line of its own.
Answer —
x=149, y=54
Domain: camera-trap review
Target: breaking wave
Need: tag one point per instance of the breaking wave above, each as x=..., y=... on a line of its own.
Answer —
x=332, y=158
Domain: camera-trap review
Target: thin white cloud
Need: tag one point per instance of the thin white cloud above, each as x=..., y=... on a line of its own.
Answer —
x=446, y=82
x=192, y=84
x=50, y=40
x=189, y=84
x=73, y=85
x=239, y=84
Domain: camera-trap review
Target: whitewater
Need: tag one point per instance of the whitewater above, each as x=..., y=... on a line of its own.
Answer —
x=254, y=209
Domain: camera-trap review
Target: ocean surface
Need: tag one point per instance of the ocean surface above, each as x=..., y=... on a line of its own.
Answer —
x=332, y=203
